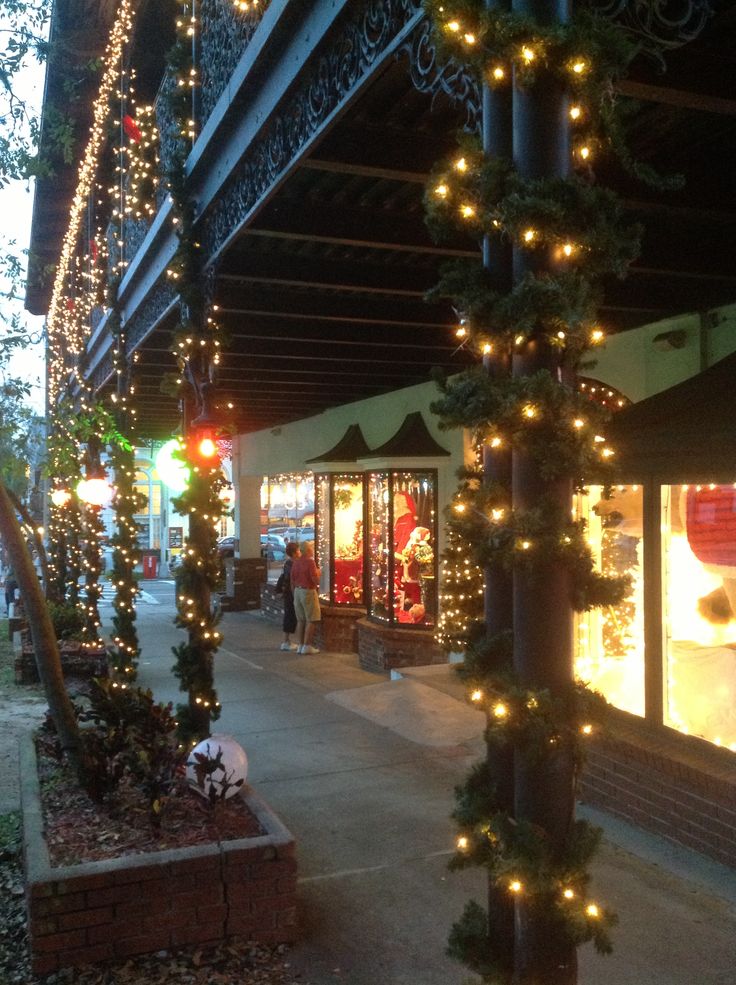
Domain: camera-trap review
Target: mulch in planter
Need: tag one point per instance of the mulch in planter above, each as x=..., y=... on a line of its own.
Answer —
x=79, y=830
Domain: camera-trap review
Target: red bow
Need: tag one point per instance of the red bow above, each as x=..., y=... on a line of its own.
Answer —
x=132, y=129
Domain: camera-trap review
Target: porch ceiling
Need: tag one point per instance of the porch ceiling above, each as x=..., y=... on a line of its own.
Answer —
x=321, y=296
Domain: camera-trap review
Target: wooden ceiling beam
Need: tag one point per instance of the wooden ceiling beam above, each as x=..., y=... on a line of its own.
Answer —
x=697, y=101
x=361, y=228
x=366, y=171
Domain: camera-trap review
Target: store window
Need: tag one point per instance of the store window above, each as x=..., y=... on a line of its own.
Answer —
x=340, y=537
x=699, y=599
x=287, y=513
x=609, y=650
x=402, y=541
x=148, y=521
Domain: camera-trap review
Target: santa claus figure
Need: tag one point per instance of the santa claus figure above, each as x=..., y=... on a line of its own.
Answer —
x=406, y=588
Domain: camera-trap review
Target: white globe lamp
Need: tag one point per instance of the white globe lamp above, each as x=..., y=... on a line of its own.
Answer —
x=217, y=767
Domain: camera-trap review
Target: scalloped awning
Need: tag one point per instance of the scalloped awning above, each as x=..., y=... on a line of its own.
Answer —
x=349, y=448
x=412, y=440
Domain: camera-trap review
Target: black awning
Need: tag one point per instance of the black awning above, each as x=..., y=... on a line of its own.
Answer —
x=349, y=448
x=684, y=434
x=412, y=440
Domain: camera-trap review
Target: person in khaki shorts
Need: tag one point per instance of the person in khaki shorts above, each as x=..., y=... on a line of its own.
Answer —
x=304, y=585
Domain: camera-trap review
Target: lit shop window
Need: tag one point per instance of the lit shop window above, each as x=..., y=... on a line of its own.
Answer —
x=340, y=537
x=148, y=520
x=699, y=598
x=287, y=514
x=402, y=566
x=609, y=651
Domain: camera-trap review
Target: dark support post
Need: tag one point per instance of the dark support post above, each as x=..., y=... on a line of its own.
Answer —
x=498, y=601
x=544, y=793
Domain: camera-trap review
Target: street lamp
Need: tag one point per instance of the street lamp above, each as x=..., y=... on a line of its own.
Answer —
x=60, y=497
x=95, y=492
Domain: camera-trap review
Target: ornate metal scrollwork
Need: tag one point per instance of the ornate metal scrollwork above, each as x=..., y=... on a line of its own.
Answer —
x=134, y=232
x=168, y=134
x=658, y=26
x=102, y=372
x=347, y=54
x=147, y=315
x=449, y=78
x=225, y=34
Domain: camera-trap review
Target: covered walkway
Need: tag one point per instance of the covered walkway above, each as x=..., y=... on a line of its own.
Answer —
x=362, y=771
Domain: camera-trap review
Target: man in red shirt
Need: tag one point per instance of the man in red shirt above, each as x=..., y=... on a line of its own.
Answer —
x=304, y=585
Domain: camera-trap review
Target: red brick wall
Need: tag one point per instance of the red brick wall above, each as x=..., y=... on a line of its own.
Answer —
x=382, y=648
x=75, y=662
x=679, y=787
x=272, y=605
x=338, y=630
x=139, y=904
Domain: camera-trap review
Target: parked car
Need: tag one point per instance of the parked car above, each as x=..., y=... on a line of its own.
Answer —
x=273, y=547
x=227, y=546
x=303, y=534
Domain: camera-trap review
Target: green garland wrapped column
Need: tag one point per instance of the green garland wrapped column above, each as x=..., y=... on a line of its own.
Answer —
x=196, y=582
x=496, y=467
x=125, y=649
x=543, y=617
x=93, y=531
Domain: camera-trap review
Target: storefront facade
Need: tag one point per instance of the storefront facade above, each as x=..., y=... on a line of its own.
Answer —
x=378, y=496
x=665, y=658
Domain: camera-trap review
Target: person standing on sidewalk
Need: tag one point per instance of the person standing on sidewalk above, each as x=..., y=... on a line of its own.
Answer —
x=289, y=623
x=304, y=584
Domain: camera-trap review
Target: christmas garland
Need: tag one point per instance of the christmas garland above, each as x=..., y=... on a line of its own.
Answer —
x=125, y=648
x=587, y=55
x=196, y=348
x=574, y=234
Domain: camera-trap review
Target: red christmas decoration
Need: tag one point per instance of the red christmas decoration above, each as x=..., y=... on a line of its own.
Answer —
x=93, y=251
x=70, y=304
x=132, y=129
x=225, y=447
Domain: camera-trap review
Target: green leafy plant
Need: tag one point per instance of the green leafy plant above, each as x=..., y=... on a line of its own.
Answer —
x=67, y=620
x=130, y=735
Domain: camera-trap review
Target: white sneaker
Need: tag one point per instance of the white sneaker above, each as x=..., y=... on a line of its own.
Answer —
x=309, y=649
x=288, y=646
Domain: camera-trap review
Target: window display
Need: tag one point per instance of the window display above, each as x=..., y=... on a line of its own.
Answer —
x=287, y=513
x=609, y=649
x=402, y=544
x=699, y=598
x=340, y=537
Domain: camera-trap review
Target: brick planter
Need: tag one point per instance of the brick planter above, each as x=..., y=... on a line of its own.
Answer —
x=382, y=648
x=680, y=787
x=138, y=904
x=75, y=662
x=272, y=605
x=337, y=631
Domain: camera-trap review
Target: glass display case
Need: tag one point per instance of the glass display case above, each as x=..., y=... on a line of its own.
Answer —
x=287, y=513
x=402, y=546
x=609, y=641
x=339, y=549
x=699, y=601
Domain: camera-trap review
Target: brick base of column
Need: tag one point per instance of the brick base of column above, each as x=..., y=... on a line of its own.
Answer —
x=382, y=648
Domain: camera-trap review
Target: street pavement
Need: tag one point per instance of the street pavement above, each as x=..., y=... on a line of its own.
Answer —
x=362, y=771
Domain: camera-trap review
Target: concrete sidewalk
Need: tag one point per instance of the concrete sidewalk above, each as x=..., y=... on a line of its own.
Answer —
x=362, y=771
